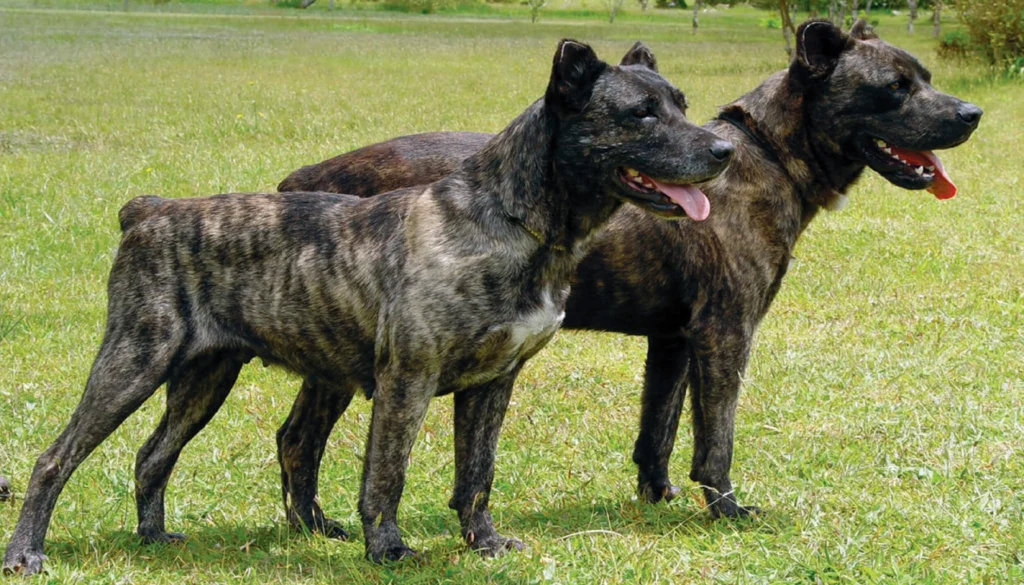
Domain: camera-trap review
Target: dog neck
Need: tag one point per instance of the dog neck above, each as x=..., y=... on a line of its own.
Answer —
x=775, y=116
x=554, y=202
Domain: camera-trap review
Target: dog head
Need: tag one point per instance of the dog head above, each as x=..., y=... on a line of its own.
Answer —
x=625, y=128
x=874, y=104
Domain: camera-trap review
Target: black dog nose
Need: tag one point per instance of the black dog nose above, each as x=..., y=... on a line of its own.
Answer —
x=722, y=150
x=969, y=114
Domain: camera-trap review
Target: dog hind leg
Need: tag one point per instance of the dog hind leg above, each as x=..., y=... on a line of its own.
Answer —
x=195, y=392
x=479, y=413
x=301, y=441
x=662, y=403
x=127, y=371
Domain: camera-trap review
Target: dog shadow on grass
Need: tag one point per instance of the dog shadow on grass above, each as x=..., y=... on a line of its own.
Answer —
x=266, y=552
x=630, y=516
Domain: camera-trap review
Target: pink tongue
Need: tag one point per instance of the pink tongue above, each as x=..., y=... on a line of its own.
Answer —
x=942, y=187
x=693, y=201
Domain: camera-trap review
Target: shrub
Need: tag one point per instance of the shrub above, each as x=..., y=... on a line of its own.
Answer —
x=954, y=44
x=996, y=29
x=771, y=22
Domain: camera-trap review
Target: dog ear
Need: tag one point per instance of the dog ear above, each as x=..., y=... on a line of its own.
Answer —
x=573, y=74
x=819, y=44
x=862, y=31
x=640, y=55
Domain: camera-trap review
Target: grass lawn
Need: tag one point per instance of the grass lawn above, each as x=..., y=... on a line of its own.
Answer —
x=881, y=425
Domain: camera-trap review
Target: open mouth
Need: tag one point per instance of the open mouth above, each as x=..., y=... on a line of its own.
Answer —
x=908, y=168
x=664, y=197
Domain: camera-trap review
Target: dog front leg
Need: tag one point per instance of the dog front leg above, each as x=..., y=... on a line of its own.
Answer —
x=399, y=407
x=479, y=412
x=664, y=390
x=715, y=373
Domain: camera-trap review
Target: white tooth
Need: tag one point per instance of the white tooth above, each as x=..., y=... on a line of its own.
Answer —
x=632, y=172
x=638, y=179
x=886, y=150
x=919, y=170
x=931, y=169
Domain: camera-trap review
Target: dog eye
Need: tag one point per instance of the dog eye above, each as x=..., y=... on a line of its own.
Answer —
x=896, y=85
x=645, y=112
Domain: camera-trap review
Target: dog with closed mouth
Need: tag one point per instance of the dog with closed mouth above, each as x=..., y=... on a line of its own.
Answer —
x=448, y=288
x=846, y=103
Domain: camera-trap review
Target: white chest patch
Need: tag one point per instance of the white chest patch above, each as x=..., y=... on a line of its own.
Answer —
x=537, y=327
x=509, y=344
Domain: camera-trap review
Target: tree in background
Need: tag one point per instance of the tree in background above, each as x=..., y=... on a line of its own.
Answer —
x=643, y=4
x=697, y=4
x=613, y=7
x=936, y=18
x=912, y=4
x=535, y=6
x=786, y=10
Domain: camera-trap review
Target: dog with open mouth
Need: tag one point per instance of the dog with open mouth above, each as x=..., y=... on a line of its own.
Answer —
x=443, y=289
x=847, y=102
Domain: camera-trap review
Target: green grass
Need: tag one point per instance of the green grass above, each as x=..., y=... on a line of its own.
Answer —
x=881, y=425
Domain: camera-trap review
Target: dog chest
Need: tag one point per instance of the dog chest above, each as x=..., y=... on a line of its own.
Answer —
x=533, y=330
x=508, y=344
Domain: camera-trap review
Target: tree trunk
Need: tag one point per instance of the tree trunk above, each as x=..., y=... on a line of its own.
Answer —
x=912, y=4
x=937, y=19
x=832, y=11
x=842, y=13
x=867, y=11
x=643, y=5
x=330, y=5
x=696, y=11
x=306, y=3
x=788, y=32
x=856, y=6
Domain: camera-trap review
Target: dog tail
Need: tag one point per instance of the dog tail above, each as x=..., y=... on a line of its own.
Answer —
x=137, y=210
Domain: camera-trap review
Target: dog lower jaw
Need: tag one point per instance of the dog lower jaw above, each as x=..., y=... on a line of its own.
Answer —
x=651, y=201
x=878, y=156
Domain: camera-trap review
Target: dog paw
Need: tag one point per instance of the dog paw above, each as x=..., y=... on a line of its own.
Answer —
x=163, y=538
x=730, y=509
x=23, y=563
x=654, y=493
x=332, y=529
x=495, y=545
x=391, y=554
x=5, y=489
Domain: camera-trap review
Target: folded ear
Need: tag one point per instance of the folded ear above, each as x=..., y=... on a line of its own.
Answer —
x=862, y=31
x=573, y=74
x=819, y=44
x=640, y=55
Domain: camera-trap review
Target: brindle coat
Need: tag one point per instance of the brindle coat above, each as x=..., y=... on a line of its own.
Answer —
x=699, y=291
x=447, y=288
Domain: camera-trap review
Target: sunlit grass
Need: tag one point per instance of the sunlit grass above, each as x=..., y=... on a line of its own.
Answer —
x=881, y=425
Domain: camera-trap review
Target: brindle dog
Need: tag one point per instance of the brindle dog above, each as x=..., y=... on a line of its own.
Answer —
x=447, y=288
x=699, y=291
